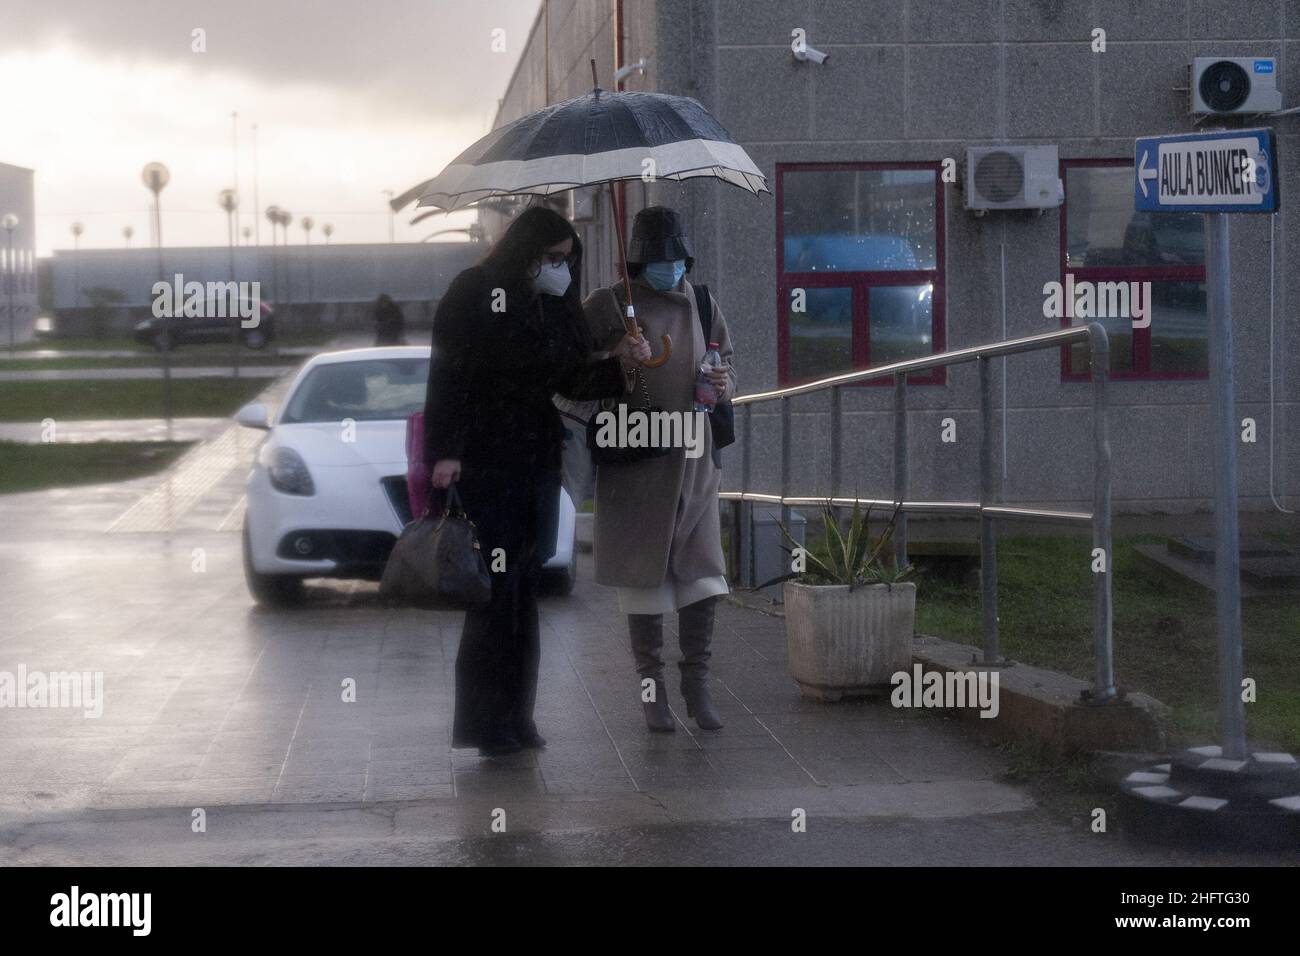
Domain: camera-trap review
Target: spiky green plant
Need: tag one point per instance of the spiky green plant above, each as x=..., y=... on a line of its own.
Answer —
x=853, y=556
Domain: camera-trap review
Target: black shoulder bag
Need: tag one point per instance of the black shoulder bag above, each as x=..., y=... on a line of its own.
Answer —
x=618, y=453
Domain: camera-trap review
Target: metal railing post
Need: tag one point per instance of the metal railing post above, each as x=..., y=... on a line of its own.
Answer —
x=1103, y=687
x=988, y=530
x=836, y=430
x=745, y=526
x=785, y=461
x=900, y=468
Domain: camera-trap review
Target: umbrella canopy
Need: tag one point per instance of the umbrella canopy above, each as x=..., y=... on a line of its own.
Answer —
x=596, y=138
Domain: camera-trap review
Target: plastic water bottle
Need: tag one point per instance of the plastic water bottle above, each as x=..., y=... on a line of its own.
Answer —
x=706, y=394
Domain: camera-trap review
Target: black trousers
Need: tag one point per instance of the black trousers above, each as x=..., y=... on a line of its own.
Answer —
x=500, y=645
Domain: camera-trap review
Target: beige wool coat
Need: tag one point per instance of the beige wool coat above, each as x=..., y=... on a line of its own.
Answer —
x=660, y=514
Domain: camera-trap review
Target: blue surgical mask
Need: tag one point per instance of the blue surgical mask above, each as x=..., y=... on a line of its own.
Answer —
x=665, y=275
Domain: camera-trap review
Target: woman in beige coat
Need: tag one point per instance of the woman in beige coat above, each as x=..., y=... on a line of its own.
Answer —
x=657, y=537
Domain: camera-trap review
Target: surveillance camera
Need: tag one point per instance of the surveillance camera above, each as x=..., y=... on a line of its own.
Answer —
x=625, y=71
x=808, y=53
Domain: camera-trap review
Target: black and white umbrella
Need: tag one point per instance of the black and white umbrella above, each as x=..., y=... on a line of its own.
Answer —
x=601, y=137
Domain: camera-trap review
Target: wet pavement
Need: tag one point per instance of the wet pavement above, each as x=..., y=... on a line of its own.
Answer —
x=322, y=734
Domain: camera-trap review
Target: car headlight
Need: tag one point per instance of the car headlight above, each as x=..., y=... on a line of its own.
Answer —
x=288, y=472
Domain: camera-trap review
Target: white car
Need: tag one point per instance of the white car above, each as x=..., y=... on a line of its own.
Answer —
x=327, y=495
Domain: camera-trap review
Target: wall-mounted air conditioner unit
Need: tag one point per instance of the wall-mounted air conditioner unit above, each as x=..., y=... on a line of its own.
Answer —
x=1012, y=177
x=1234, y=84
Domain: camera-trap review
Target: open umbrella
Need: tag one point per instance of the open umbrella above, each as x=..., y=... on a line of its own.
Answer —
x=601, y=137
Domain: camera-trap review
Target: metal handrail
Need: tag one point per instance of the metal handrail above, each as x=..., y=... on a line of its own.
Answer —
x=1028, y=343
x=987, y=509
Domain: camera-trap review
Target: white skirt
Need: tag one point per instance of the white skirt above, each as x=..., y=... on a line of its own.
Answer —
x=672, y=595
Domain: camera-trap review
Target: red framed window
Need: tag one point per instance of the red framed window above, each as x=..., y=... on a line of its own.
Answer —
x=1104, y=240
x=860, y=277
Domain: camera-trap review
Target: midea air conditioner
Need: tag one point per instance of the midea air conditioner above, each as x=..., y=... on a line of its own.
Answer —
x=1012, y=177
x=1234, y=84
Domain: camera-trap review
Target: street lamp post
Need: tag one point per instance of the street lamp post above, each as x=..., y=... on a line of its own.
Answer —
x=155, y=177
x=284, y=219
x=391, y=213
x=10, y=223
x=307, y=222
x=273, y=216
x=228, y=200
x=77, y=230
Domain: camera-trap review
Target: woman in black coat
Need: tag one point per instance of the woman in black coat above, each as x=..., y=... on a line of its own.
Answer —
x=508, y=335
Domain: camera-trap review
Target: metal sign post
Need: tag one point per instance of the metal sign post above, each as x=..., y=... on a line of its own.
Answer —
x=1216, y=174
x=1222, y=792
x=1227, y=550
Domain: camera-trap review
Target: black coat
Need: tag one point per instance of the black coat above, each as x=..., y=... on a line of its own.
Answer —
x=491, y=380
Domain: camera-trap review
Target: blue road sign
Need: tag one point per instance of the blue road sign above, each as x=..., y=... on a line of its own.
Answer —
x=1231, y=171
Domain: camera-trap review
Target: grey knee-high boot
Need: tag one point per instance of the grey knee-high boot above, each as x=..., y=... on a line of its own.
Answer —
x=695, y=634
x=647, y=633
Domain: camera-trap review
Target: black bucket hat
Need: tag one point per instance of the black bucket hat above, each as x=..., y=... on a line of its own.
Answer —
x=658, y=235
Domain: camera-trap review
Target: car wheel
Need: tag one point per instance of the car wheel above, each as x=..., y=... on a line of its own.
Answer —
x=163, y=342
x=255, y=339
x=269, y=590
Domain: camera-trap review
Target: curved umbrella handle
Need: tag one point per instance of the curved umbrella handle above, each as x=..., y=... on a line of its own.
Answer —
x=668, y=351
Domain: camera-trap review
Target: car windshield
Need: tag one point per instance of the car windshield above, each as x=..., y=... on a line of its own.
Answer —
x=368, y=390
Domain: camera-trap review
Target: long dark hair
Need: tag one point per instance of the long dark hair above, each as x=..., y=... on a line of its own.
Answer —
x=510, y=260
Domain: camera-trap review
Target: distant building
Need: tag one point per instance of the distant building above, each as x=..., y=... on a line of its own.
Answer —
x=102, y=290
x=18, y=266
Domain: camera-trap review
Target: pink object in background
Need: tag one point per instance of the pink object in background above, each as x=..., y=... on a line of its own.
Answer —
x=417, y=472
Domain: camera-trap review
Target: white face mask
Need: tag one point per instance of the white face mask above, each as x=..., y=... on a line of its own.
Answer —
x=553, y=279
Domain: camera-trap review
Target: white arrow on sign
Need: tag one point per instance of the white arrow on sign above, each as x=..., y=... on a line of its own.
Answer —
x=1145, y=172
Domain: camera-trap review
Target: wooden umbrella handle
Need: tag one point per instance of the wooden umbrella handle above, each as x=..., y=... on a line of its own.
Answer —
x=629, y=324
x=667, y=354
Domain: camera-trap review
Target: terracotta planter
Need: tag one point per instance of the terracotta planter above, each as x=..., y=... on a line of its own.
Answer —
x=848, y=643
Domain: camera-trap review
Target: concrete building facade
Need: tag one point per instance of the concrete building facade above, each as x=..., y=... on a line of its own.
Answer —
x=18, y=254
x=863, y=220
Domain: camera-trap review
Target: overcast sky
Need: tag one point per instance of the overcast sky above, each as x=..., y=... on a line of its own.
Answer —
x=351, y=97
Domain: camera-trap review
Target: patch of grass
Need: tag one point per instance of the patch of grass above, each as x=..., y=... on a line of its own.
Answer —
x=124, y=398
x=1164, y=633
x=34, y=467
x=114, y=342
x=143, y=360
x=128, y=343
